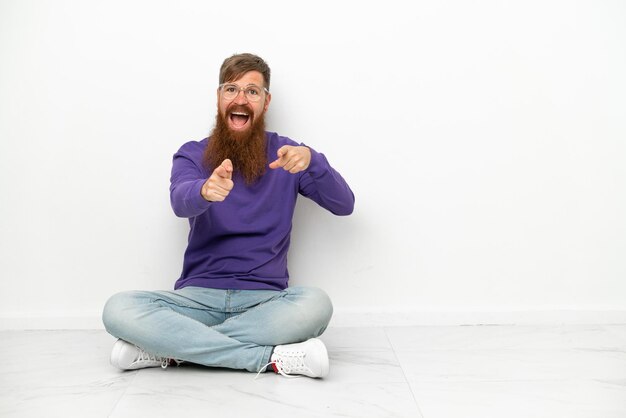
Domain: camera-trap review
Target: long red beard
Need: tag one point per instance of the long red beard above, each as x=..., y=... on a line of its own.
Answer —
x=246, y=150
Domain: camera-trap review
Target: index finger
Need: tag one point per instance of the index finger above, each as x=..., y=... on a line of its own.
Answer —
x=282, y=157
x=223, y=172
x=278, y=163
x=228, y=165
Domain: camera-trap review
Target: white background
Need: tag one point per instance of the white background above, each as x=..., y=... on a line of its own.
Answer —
x=485, y=142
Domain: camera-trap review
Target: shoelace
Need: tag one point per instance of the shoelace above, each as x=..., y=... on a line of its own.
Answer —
x=288, y=363
x=144, y=356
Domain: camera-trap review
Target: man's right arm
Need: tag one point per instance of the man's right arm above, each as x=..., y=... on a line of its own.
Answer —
x=186, y=184
x=191, y=193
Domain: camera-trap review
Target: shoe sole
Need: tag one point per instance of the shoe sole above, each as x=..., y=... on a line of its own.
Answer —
x=119, y=351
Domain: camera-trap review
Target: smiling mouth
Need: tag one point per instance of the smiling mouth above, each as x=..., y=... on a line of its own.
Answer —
x=239, y=119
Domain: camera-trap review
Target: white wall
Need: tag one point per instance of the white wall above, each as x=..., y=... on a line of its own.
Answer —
x=485, y=142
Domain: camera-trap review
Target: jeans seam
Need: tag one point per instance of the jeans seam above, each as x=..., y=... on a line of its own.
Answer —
x=227, y=301
x=247, y=310
x=203, y=309
x=266, y=357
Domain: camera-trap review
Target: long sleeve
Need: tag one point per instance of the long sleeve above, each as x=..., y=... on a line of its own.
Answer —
x=243, y=241
x=185, y=185
x=324, y=185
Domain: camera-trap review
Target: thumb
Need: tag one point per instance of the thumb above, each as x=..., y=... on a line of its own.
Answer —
x=280, y=153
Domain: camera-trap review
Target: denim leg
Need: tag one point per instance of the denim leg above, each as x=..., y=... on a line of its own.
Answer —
x=174, y=325
x=293, y=315
x=220, y=328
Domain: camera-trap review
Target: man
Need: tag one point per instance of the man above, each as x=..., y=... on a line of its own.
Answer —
x=232, y=306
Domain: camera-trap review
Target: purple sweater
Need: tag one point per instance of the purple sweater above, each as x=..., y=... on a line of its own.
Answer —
x=242, y=242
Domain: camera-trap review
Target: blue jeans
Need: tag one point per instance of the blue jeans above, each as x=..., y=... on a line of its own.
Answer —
x=237, y=329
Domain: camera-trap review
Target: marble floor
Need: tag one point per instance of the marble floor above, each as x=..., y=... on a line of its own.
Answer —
x=429, y=372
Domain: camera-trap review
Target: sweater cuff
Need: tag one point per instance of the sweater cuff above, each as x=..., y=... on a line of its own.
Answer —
x=195, y=199
x=318, y=165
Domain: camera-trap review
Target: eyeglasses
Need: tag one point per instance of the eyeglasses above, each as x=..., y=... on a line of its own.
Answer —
x=252, y=91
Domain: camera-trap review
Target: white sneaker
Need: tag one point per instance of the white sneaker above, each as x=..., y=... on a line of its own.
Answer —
x=127, y=356
x=309, y=358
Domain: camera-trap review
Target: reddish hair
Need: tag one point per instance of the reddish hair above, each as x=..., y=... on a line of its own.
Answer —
x=234, y=67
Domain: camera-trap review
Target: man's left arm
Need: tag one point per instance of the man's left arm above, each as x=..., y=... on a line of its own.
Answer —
x=318, y=181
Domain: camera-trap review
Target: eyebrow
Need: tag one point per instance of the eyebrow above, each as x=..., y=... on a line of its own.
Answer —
x=247, y=85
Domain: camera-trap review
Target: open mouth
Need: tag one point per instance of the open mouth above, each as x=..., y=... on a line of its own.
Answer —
x=239, y=119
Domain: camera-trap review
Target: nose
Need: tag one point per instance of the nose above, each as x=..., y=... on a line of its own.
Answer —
x=241, y=97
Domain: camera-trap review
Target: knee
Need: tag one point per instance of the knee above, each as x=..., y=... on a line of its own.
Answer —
x=115, y=315
x=324, y=306
x=317, y=306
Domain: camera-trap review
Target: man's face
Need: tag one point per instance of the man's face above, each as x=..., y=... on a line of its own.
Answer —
x=240, y=113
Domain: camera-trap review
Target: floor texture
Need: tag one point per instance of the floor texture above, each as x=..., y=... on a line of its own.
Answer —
x=429, y=372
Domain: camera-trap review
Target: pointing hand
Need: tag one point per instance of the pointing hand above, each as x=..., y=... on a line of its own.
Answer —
x=292, y=159
x=219, y=185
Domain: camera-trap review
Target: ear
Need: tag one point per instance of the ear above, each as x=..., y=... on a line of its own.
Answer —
x=268, y=99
